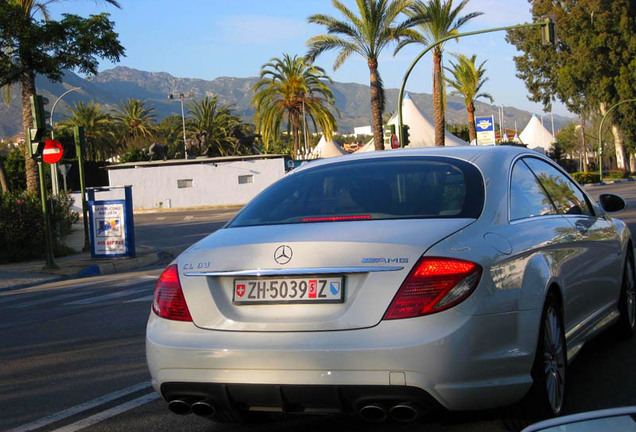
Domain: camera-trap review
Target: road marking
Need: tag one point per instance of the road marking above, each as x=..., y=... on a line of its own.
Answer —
x=112, y=412
x=80, y=408
x=188, y=218
x=53, y=298
x=110, y=296
x=161, y=218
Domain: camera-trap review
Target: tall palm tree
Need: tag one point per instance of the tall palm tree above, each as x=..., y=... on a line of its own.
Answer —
x=98, y=127
x=292, y=90
x=136, y=123
x=366, y=34
x=436, y=20
x=467, y=81
x=31, y=9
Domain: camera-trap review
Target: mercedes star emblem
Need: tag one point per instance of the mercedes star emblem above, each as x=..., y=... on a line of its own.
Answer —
x=283, y=254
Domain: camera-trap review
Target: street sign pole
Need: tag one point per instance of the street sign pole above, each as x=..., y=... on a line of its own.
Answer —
x=50, y=263
x=78, y=133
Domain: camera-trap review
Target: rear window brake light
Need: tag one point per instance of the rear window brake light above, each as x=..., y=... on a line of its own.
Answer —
x=335, y=218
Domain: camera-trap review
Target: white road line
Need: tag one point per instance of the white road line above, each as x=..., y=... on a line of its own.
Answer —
x=161, y=218
x=110, y=296
x=80, y=408
x=52, y=298
x=112, y=412
x=188, y=218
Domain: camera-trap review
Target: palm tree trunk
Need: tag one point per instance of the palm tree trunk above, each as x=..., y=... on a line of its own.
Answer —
x=3, y=178
x=438, y=101
x=472, y=131
x=376, y=105
x=27, y=84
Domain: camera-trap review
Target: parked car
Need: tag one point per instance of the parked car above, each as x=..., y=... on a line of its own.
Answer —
x=392, y=284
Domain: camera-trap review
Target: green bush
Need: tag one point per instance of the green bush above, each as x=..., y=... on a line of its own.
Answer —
x=618, y=174
x=586, y=177
x=22, y=226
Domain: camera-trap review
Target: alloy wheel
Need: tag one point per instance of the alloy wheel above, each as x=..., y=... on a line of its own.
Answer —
x=554, y=359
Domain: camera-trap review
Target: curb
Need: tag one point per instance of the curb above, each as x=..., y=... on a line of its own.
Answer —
x=610, y=182
x=94, y=270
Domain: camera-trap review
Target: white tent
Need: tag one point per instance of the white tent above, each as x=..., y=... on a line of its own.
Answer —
x=327, y=149
x=421, y=128
x=536, y=137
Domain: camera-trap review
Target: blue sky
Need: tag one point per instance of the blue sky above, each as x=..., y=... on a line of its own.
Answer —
x=213, y=38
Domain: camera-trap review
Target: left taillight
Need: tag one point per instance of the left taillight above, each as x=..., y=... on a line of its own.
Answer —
x=169, y=302
x=433, y=285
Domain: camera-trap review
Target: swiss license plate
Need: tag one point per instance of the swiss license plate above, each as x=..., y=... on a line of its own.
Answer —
x=288, y=290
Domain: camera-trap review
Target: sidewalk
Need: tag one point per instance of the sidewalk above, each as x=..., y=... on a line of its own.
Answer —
x=31, y=273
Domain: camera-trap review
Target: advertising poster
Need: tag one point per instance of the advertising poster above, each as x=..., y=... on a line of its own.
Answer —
x=108, y=233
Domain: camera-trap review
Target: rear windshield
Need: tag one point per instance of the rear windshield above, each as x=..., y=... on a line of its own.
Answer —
x=388, y=188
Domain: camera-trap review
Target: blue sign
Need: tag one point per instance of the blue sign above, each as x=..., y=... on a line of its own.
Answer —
x=485, y=127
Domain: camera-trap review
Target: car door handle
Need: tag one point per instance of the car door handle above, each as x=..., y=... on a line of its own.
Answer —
x=581, y=227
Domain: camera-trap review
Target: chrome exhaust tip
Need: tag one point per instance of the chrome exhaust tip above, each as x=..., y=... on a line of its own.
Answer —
x=179, y=406
x=203, y=408
x=373, y=413
x=404, y=412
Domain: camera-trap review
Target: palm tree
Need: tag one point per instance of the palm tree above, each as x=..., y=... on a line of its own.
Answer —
x=31, y=8
x=135, y=122
x=467, y=81
x=98, y=127
x=215, y=127
x=366, y=34
x=292, y=90
x=436, y=20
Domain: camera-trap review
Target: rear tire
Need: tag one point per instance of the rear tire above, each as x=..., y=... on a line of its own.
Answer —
x=545, y=397
x=627, y=299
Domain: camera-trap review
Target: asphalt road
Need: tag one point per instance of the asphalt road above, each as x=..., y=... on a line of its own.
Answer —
x=72, y=353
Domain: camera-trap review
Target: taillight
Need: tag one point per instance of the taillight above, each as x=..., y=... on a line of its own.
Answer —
x=433, y=285
x=169, y=302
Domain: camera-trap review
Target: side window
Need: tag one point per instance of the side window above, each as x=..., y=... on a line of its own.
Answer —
x=566, y=196
x=527, y=197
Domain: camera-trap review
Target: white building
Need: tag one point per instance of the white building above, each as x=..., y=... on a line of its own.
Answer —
x=194, y=182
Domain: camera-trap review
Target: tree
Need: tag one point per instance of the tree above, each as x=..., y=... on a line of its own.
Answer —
x=217, y=129
x=467, y=82
x=29, y=47
x=593, y=66
x=436, y=19
x=292, y=90
x=98, y=127
x=366, y=34
x=135, y=123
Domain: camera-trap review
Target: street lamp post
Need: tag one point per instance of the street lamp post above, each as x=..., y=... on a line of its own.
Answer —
x=546, y=23
x=600, y=135
x=55, y=186
x=181, y=98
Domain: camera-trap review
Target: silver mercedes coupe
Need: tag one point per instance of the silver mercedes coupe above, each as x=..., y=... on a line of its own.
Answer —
x=393, y=284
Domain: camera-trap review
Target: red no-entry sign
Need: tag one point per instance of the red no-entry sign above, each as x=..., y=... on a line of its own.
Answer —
x=53, y=151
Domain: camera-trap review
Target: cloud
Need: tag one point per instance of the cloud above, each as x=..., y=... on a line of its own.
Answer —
x=260, y=30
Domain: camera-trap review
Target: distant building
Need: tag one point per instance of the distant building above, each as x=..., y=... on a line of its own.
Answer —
x=195, y=182
x=363, y=130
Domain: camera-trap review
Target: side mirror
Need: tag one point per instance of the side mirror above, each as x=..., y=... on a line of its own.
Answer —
x=615, y=419
x=612, y=203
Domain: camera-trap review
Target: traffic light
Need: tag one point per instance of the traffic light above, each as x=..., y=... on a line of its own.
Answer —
x=405, y=135
x=388, y=131
x=37, y=134
x=548, y=32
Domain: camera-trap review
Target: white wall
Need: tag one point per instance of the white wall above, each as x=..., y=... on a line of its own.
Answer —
x=213, y=183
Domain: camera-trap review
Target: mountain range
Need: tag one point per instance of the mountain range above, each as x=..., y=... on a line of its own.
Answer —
x=110, y=87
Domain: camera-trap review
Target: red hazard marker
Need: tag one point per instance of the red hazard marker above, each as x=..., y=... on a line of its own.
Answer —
x=53, y=151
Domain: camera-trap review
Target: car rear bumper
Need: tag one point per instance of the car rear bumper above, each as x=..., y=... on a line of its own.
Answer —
x=460, y=362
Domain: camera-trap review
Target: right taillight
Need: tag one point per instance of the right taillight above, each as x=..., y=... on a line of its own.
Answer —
x=169, y=302
x=433, y=285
